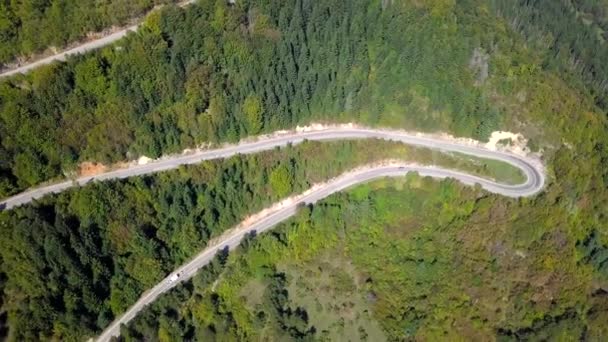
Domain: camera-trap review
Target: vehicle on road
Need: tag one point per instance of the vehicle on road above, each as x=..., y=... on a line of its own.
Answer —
x=174, y=277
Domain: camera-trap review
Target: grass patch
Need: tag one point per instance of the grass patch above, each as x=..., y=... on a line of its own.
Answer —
x=495, y=169
x=486, y=168
x=335, y=296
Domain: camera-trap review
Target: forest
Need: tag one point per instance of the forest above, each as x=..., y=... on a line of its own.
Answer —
x=406, y=259
x=380, y=248
x=574, y=35
x=77, y=260
x=28, y=27
x=251, y=68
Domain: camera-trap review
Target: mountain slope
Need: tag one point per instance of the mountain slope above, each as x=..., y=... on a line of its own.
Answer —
x=425, y=259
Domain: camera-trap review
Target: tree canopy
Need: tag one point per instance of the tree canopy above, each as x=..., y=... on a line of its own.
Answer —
x=408, y=259
x=217, y=72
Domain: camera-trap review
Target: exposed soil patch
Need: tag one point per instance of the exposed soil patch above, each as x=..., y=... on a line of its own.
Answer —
x=91, y=169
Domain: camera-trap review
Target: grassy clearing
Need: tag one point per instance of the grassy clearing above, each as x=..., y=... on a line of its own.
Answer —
x=487, y=168
x=335, y=296
x=495, y=169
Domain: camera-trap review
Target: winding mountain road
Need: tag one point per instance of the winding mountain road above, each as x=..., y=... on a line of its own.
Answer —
x=532, y=169
x=268, y=220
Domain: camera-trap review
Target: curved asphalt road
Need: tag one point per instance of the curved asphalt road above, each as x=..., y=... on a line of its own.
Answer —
x=80, y=49
x=232, y=238
x=531, y=168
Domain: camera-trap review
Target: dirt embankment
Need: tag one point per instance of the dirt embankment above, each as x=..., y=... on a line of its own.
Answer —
x=91, y=169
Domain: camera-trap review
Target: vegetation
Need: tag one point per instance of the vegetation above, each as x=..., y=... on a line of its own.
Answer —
x=436, y=261
x=256, y=66
x=488, y=168
x=30, y=26
x=76, y=260
x=573, y=36
x=407, y=251
x=405, y=259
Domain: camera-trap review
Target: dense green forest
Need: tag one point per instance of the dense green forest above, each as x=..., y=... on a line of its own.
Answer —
x=253, y=67
x=31, y=26
x=574, y=34
x=396, y=260
x=76, y=260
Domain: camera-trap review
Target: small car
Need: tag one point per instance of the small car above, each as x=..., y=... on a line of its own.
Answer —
x=174, y=277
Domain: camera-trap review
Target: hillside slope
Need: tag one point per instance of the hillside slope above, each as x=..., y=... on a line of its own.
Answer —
x=409, y=259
